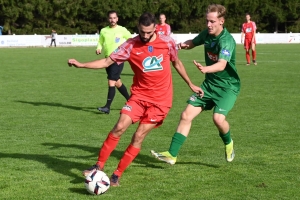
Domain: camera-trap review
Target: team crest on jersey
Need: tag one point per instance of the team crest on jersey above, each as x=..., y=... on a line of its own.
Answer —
x=225, y=52
x=248, y=30
x=116, y=50
x=212, y=56
x=150, y=49
x=152, y=63
x=212, y=44
x=117, y=39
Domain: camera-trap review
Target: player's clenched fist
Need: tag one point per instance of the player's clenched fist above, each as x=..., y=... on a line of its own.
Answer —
x=75, y=63
x=98, y=51
x=197, y=90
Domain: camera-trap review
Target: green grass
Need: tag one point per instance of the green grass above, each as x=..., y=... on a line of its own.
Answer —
x=50, y=131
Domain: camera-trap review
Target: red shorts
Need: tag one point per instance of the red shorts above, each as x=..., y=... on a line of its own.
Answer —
x=145, y=112
x=248, y=43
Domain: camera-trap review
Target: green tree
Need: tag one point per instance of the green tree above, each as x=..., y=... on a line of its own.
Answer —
x=276, y=14
x=89, y=16
x=10, y=12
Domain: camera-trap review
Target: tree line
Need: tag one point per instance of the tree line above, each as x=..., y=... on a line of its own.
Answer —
x=89, y=16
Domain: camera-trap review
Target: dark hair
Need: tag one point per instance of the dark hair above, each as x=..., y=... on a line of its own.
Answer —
x=112, y=12
x=247, y=14
x=146, y=19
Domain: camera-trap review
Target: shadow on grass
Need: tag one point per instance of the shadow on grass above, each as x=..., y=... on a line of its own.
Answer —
x=61, y=165
x=141, y=159
x=86, y=109
x=79, y=191
x=198, y=163
x=146, y=161
x=58, y=165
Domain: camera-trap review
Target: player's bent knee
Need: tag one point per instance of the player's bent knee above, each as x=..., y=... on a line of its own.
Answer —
x=218, y=119
x=185, y=116
x=119, y=129
x=118, y=83
x=138, y=138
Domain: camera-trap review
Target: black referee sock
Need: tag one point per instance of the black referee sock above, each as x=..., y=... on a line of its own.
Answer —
x=123, y=91
x=110, y=96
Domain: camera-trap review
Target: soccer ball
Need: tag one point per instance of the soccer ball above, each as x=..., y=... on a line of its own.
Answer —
x=97, y=182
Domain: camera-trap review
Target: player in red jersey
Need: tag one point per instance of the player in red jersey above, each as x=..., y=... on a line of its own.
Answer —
x=149, y=56
x=163, y=28
x=249, y=30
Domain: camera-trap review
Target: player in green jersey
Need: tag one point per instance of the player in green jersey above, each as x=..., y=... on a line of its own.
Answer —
x=221, y=85
x=111, y=37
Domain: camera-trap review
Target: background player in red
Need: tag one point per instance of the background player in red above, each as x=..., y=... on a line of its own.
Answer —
x=249, y=30
x=149, y=56
x=163, y=28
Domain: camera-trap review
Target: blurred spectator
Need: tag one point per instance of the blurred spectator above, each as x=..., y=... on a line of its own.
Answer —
x=53, y=38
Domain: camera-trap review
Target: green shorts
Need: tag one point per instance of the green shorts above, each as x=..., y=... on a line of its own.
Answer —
x=221, y=99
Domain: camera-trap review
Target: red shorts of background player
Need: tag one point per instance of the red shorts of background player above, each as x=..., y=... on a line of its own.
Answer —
x=145, y=112
x=248, y=43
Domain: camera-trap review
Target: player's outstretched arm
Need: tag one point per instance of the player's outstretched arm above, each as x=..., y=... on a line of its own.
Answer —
x=186, y=45
x=217, y=67
x=177, y=64
x=97, y=64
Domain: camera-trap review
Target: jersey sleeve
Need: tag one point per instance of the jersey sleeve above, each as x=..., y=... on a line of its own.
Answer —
x=226, y=49
x=199, y=39
x=243, y=28
x=100, y=41
x=122, y=53
x=254, y=26
x=173, y=50
x=127, y=34
x=168, y=32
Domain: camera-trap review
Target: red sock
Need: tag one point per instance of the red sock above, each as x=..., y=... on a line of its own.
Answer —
x=253, y=55
x=129, y=155
x=108, y=146
x=248, y=56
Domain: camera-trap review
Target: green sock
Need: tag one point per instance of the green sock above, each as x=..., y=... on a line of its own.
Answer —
x=225, y=137
x=177, y=141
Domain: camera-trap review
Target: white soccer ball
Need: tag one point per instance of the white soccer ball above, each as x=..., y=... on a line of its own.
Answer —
x=97, y=182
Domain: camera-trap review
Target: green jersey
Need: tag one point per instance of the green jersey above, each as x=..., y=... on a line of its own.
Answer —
x=111, y=38
x=220, y=47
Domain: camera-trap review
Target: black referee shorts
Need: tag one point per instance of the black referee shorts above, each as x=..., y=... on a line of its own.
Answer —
x=114, y=71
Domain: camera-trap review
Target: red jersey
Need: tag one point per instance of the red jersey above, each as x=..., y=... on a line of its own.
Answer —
x=150, y=62
x=249, y=29
x=163, y=29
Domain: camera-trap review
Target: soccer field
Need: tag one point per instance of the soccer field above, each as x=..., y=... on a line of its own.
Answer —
x=50, y=130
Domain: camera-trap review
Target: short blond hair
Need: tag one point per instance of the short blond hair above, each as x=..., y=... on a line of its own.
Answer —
x=221, y=10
